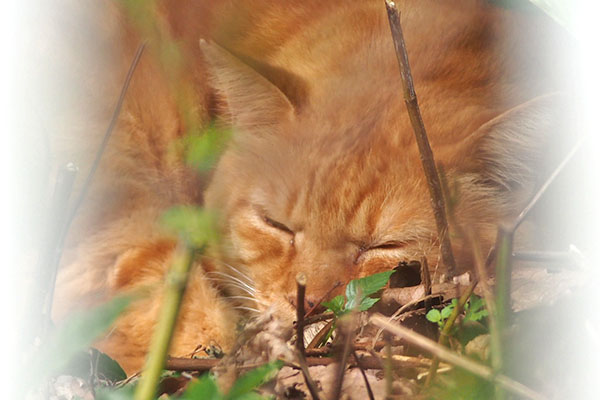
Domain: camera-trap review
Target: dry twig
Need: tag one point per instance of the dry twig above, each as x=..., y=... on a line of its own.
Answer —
x=301, y=290
x=427, y=159
x=467, y=364
x=361, y=367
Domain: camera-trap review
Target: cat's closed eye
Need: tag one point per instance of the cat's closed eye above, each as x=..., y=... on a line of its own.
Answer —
x=391, y=245
x=277, y=225
x=388, y=248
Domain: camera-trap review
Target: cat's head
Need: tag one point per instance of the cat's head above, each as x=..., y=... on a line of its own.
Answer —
x=331, y=185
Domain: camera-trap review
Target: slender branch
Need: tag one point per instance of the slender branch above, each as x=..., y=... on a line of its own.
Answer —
x=430, y=329
x=346, y=330
x=161, y=339
x=322, y=299
x=556, y=259
x=65, y=224
x=504, y=244
x=368, y=362
x=490, y=301
x=387, y=365
x=546, y=184
x=300, y=293
x=301, y=290
x=395, y=315
x=111, y=126
x=318, y=318
x=465, y=363
x=427, y=159
x=191, y=364
x=361, y=367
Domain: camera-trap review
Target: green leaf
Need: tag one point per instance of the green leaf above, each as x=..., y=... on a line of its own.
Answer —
x=446, y=311
x=77, y=333
x=253, y=396
x=204, y=149
x=109, y=369
x=204, y=388
x=253, y=379
x=105, y=367
x=367, y=303
x=475, y=302
x=195, y=225
x=336, y=304
x=365, y=286
x=477, y=315
x=123, y=393
x=476, y=309
x=434, y=315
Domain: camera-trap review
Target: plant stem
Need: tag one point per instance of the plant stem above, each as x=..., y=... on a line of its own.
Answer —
x=504, y=247
x=161, y=340
x=445, y=333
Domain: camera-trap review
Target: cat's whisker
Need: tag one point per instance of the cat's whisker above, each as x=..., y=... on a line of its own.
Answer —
x=233, y=278
x=232, y=284
x=257, y=301
x=247, y=309
x=234, y=269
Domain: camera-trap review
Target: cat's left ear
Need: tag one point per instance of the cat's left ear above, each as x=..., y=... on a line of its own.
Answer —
x=253, y=101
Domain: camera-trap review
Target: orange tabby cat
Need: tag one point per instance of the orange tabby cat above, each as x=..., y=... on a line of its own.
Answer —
x=322, y=175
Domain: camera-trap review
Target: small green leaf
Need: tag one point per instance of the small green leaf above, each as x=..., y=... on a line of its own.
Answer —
x=434, y=315
x=122, y=393
x=109, y=369
x=365, y=286
x=105, y=367
x=77, y=333
x=476, y=302
x=477, y=315
x=195, y=225
x=336, y=304
x=446, y=311
x=253, y=379
x=204, y=388
x=367, y=303
x=253, y=396
x=476, y=309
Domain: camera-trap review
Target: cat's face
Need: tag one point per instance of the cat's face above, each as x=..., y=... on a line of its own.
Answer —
x=335, y=207
x=332, y=185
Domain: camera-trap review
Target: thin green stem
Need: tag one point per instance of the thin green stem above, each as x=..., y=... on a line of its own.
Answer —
x=445, y=333
x=161, y=340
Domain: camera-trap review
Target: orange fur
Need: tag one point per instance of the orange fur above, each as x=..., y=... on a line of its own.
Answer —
x=322, y=175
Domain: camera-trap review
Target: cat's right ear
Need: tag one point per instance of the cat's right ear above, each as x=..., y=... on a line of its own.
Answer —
x=253, y=102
